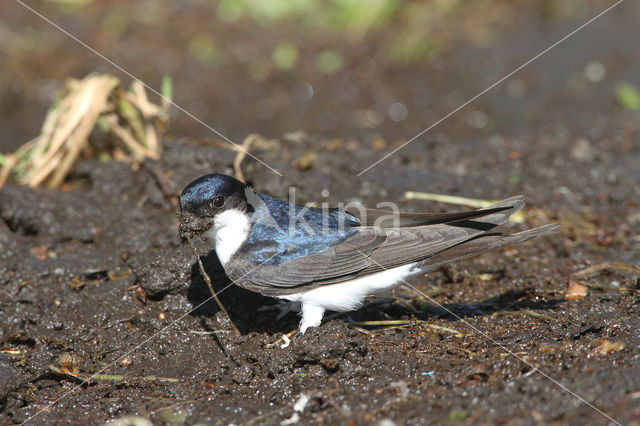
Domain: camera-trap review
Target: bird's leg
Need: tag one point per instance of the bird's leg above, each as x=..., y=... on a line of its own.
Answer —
x=283, y=307
x=311, y=316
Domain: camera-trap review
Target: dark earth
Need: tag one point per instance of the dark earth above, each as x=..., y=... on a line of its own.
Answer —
x=95, y=281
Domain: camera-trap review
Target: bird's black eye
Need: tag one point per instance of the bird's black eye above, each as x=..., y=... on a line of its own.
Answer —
x=218, y=201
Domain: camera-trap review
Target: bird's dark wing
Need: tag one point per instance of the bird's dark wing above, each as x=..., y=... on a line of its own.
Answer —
x=389, y=219
x=367, y=251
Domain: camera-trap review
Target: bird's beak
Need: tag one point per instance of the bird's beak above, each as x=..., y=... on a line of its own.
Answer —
x=192, y=225
x=184, y=233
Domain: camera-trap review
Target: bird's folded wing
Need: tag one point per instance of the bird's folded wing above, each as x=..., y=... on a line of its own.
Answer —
x=391, y=219
x=374, y=249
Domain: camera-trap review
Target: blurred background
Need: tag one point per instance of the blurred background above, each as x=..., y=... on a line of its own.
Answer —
x=377, y=71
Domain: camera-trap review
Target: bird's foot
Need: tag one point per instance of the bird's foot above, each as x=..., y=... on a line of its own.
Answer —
x=311, y=317
x=283, y=307
x=285, y=340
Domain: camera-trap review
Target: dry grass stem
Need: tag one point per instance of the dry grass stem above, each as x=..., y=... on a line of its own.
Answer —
x=518, y=217
x=131, y=122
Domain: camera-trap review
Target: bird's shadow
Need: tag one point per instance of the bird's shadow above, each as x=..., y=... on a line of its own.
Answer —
x=512, y=300
x=246, y=308
x=506, y=302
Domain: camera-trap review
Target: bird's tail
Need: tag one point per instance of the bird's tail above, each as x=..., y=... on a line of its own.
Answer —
x=487, y=241
x=511, y=205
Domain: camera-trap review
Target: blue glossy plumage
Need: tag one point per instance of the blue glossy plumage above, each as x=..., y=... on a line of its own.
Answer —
x=205, y=188
x=295, y=231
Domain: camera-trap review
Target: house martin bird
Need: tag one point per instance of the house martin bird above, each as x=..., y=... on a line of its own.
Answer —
x=332, y=259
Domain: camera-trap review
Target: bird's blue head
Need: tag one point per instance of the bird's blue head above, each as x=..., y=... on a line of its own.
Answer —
x=210, y=191
x=205, y=198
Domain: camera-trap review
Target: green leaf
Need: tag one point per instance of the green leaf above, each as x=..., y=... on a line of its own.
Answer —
x=167, y=87
x=230, y=10
x=203, y=48
x=285, y=56
x=458, y=415
x=628, y=96
x=115, y=23
x=329, y=61
x=130, y=113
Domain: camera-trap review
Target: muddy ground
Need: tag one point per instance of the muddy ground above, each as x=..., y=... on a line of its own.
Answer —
x=93, y=278
x=73, y=261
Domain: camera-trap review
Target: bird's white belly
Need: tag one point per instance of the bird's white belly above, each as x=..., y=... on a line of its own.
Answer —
x=350, y=295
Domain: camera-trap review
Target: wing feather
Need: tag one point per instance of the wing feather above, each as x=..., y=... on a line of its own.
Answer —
x=389, y=219
x=370, y=250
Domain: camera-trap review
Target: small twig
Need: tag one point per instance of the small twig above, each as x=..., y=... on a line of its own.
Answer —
x=475, y=203
x=123, y=320
x=128, y=139
x=457, y=347
x=12, y=352
x=528, y=312
x=448, y=199
x=243, y=150
x=64, y=372
x=436, y=291
x=120, y=378
x=592, y=270
x=289, y=335
x=208, y=333
x=363, y=331
x=213, y=293
x=10, y=161
x=537, y=315
x=164, y=183
x=379, y=323
x=141, y=201
x=83, y=378
x=447, y=329
x=622, y=287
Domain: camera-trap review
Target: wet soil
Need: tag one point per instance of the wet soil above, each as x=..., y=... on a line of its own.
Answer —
x=93, y=278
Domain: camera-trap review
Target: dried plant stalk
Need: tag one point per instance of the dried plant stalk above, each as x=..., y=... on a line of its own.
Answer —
x=128, y=116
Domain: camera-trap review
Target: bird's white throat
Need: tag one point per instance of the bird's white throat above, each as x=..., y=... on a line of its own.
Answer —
x=229, y=231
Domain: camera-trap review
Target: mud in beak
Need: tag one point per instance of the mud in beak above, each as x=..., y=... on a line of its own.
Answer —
x=192, y=225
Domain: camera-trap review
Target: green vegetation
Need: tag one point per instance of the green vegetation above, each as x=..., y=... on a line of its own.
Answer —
x=628, y=96
x=285, y=56
x=458, y=415
x=329, y=61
